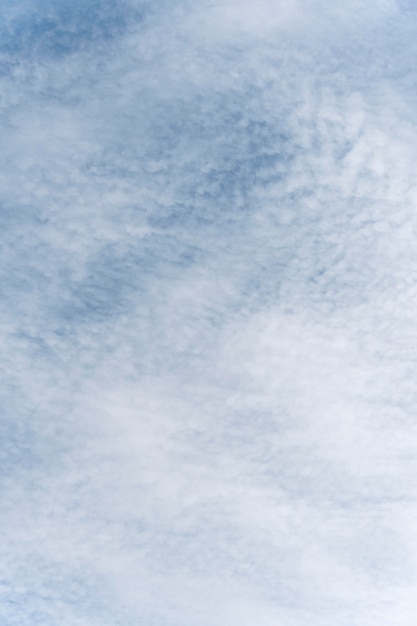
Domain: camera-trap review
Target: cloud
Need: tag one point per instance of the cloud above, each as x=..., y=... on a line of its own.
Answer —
x=207, y=308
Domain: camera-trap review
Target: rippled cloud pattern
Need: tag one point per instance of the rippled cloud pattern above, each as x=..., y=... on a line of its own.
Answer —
x=208, y=313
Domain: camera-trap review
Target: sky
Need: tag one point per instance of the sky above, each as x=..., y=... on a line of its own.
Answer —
x=208, y=304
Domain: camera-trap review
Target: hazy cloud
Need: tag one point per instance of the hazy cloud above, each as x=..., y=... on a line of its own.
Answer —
x=208, y=280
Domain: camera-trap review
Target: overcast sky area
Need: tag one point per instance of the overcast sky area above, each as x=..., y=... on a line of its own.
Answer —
x=208, y=313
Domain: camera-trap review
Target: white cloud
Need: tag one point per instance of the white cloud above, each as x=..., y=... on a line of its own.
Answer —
x=208, y=275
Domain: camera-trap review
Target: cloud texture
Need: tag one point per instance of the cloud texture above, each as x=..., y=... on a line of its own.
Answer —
x=208, y=300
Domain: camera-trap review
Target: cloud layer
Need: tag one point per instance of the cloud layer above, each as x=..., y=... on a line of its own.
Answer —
x=208, y=273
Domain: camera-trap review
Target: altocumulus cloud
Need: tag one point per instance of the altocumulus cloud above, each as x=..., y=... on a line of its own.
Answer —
x=208, y=302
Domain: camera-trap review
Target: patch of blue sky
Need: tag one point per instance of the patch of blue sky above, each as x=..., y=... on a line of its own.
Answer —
x=118, y=273
x=52, y=30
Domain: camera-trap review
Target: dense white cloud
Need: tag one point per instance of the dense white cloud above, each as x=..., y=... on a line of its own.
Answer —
x=208, y=301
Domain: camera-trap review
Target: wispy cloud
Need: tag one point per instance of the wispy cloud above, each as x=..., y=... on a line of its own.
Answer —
x=207, y=308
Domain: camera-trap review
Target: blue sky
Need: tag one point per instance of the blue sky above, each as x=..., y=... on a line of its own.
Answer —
x=208, y=304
